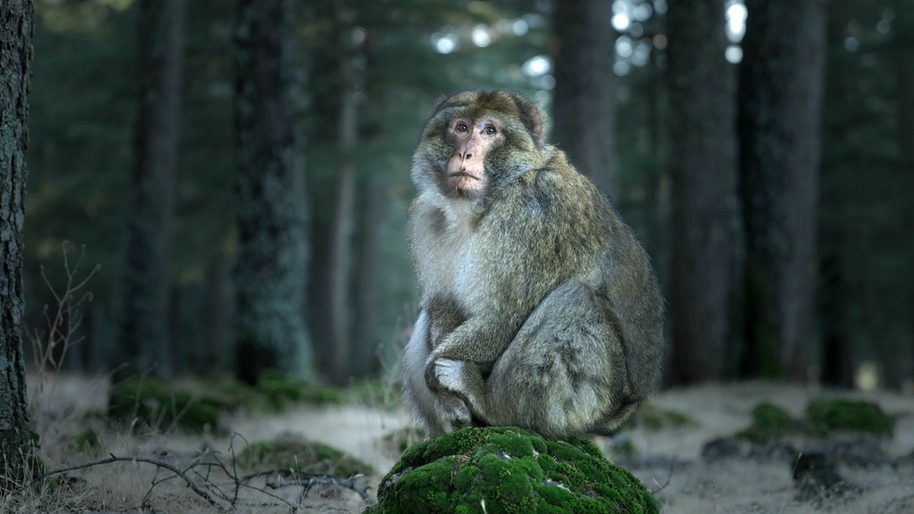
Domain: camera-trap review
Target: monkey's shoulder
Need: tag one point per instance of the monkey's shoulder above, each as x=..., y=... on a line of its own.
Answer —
x=557, y=196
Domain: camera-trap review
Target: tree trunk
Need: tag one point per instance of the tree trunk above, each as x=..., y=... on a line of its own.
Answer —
x=704, y=196
x=583, y=105
x=144, y=339
x=836, y=331
x=270, y=271
x=905, y=23
x=778, y=125
x=16, y=28
x=334, y=289
x=364, y=356
x=213, y=312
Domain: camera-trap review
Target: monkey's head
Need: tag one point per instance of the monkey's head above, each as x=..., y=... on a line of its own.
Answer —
x=477, y=141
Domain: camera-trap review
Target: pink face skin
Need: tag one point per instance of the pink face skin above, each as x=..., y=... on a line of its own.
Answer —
x=475, y=138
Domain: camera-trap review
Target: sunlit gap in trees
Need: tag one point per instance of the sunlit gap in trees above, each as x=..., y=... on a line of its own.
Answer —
x=735, y=14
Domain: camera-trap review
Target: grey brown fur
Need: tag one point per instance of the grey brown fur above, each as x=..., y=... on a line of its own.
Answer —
x=539, y=307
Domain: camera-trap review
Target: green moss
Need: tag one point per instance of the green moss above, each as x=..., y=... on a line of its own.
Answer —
x=87, y=442
x=770, y=423
x=652, y=417
x=280, y=390
x=850, y=415
x=234, y=395
x=302, y=455
x=160, y=405
x=511, y=471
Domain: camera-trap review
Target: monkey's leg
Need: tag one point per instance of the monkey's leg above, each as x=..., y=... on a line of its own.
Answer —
x=564, y=373
x=439, y=413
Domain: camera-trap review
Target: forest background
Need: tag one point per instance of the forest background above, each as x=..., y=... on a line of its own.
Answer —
x=763, y=152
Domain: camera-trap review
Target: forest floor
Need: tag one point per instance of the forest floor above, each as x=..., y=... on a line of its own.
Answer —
x=877, y=475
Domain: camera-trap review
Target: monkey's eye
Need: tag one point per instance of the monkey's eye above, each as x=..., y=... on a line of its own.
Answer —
x=490, y=130
x=461, y=127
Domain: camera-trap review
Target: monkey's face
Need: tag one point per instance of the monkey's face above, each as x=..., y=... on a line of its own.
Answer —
x=473, y=138
x=476, y=142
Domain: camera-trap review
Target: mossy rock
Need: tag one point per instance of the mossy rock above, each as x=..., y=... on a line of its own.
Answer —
x=770, y=423
x=280, y=390
x=160, y=405
x=653, y=417
x=849, y=415
x=508, y=470
x=302, y=455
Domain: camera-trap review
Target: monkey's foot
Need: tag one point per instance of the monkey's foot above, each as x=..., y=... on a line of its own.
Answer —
x=453, y=414
x=450, y=375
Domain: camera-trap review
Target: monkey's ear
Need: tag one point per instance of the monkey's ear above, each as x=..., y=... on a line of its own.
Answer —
x=440, y=101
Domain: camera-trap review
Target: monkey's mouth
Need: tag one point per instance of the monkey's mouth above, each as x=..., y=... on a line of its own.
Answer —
x=463, y=175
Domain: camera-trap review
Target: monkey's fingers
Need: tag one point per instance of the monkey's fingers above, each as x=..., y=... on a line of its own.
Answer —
x=451, y=375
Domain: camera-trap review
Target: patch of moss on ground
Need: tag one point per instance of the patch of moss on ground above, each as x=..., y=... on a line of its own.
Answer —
x=770, y=423
x=160, y=405
x=508, y=470
x=87, y=442
x=280, y=390
x=298, y=454
x=653, y=417
x=849, y=415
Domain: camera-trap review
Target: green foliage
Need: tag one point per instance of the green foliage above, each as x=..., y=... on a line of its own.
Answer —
x=281, y=390
x=301, y=455
x=87, y=442
x=655, y=418
x=508, y=470
x=849, y=415
x=770, y=423
x=159, y=405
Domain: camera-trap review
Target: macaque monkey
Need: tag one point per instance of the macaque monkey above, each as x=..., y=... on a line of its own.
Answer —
x=539, y=308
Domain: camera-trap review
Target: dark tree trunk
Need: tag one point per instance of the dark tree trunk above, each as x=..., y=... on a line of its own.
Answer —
x=836, y=330
x=16, y=28
x=834, y=230
x=333, y=299
x=213, y=316
x=704, y=197
x=583, y=106
x=778, y=125
x=144, y=339
x=364, y=356
x=270, y=272
x=905, y=32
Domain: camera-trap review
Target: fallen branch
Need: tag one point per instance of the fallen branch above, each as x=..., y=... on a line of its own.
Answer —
x=190, y=483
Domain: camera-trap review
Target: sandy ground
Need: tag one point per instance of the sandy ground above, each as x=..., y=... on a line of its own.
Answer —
x=668, y=457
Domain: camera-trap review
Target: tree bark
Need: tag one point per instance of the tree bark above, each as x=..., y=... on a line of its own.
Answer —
x=270, y=271
x=144, y=339
x=584, y=105
x=778, y=126
x=704, y=197
x=16, y=30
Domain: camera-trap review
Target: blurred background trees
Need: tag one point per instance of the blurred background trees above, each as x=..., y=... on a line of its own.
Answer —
x=761, y=151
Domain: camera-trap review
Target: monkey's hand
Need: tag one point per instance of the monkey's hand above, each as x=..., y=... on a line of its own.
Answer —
x=450, y=375
x=445, y=377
